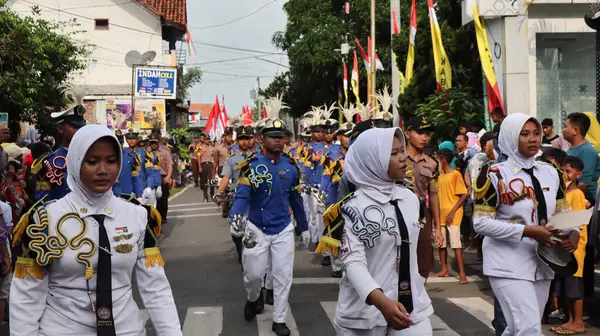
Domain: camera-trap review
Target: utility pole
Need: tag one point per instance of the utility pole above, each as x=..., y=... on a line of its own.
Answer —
x=395, y=17
x=258, y=98
x=372, y=97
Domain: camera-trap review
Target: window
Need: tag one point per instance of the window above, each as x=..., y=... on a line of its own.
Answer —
x=101, y=24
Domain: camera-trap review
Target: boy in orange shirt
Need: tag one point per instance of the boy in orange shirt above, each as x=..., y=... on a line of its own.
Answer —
x=452, y=195
x=570, y=288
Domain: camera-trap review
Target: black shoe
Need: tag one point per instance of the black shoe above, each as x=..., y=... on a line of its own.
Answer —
x=250, y=310
x=260, y=303
x=326, y=261
x=269, y=298
x=196, y=185
x=280, y=329
x=336, y=274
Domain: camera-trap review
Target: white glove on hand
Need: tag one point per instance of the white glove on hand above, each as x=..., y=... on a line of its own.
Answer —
x=147, y=193
x=237, y=225
x=305, y=237
x=158, y=192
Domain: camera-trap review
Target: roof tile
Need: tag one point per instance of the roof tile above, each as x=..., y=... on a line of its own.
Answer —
x=173, y=11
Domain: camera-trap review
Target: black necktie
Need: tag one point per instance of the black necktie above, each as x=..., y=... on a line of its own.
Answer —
x=105, y=325
x=403, y=267
x=542, y=213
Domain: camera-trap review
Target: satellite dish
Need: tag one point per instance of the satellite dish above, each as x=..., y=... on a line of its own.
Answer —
x=132, y=58
x=148, y=56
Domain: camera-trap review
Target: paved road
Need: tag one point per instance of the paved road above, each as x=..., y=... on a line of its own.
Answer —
x=206, y=282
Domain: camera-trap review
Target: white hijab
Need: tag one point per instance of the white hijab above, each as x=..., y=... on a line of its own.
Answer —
x=80, y=144
x=508, y=141
x=366, y=164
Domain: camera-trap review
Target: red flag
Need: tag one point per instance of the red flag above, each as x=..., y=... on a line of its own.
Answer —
x=396, y=30
x=378, y=64
x=247, y=120
x=264, y=112
x=364, y=55
x=211, y=124
x=224, y=117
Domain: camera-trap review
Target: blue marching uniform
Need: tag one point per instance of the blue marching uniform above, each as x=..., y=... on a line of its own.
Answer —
x=143, y=176
x=152, y=171
x=313, y=167
x=129, y=182
x=52, y=176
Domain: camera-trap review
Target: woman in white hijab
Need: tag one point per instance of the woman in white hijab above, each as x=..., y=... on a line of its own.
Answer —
x=514, y=201
x=381, y=291
x=75, y=276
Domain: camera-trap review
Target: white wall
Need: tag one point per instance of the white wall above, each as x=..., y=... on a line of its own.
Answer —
x=107, y=66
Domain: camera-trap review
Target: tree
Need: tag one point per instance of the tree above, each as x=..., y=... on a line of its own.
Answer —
x=314, y=30
x=460, y=45
x=190, y=77
x=36, y=63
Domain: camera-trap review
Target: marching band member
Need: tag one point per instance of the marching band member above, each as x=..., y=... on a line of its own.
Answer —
x=52, y=169
x=231, y=174
x=194, y=149
x=381, y=291
x=76, y=280
x=267, y=188
x=206, y=156
x=129, y=183
x=312, y=172
x=514, y=201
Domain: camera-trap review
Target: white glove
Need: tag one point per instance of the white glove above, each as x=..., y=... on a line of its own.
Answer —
x=147, y=193
x=237, y=225
x=142, y=200
x=305, y=237
x=158, y=192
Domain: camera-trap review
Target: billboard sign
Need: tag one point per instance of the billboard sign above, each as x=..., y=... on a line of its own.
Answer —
x=156, y=82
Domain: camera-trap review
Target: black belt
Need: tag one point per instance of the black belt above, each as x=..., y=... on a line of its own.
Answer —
x=403, y=265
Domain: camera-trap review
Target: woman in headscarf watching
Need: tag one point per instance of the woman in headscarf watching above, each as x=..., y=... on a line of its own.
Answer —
x=75, y=276
x=513, y=202
x=381, y=291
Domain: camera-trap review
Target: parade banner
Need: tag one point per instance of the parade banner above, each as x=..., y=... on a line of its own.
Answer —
x=345, y=81
x=443, y=70
x=119, y=114
x=156, y=82
x=150, y=114
x=410, y=57
x=487, y=64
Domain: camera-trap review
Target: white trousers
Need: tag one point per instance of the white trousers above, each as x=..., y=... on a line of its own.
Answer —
x=522, y=303
x=336, y=264
x=279, y=250
x=422, y=328
x=315, y=224
x=268, y=283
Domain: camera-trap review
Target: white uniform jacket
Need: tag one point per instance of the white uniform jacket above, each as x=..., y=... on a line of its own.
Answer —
x=53, y=300
x=504, y=204
x=370, y=246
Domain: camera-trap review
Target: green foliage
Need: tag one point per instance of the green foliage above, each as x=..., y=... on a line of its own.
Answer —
x=190, y=77
x=460, y=45
x=183, y=138
x=312, y=35
x=314, y=32
x=36, y=60
x=447, y=109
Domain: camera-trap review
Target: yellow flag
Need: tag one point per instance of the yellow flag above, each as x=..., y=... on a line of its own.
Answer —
x=443, y=70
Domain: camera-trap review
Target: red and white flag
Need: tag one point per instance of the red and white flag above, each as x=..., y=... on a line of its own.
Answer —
x=366, y=57
x=247, y=114
x=213, y=118
x=378, y=64
x=190, y=43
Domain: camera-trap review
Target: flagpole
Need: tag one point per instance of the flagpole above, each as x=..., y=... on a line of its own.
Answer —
x=372, y=97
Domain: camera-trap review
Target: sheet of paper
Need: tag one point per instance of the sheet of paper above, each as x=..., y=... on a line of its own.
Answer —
x=570, y=219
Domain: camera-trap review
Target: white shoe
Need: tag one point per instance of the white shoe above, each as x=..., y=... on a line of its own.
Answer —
x=557, y=315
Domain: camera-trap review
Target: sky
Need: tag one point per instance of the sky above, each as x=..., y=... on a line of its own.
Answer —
x=234, y=79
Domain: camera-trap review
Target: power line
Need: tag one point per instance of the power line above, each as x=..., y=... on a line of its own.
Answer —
x=148, y=32
x=233, y=75
x=236, y=20
x=97, y=6
x=231, y=59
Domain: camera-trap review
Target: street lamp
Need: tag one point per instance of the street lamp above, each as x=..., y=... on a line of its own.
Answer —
x=592, y=19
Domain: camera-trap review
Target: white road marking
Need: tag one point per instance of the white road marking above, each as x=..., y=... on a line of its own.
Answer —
x=197, y=215
x=265, y=322
x=327, y=281
x=185, y=210
x=477, y=307
x=440, y=328
x=181, y=192
x=329, y=308
x=203, y=204
x=203, y=321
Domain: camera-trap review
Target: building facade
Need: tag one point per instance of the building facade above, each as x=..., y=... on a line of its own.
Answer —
x=543, y=52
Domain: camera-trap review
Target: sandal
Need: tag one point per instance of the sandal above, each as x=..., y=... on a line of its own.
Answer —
x=568, y=331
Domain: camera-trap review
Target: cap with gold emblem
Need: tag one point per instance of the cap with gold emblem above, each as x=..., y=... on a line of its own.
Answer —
x=330, y=126
x=228, y=131
x=244, y=132
x=346, y=129
x=274, y=129
x=72, y=116
x=418, y=124
x=154, y=137
x=131, y=134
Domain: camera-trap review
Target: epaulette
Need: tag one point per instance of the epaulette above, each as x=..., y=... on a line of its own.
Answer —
x=244, y=168
x=292, y=161
x=37, y=165
x=331, y=240
x=247, y=160
x=483, y=181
